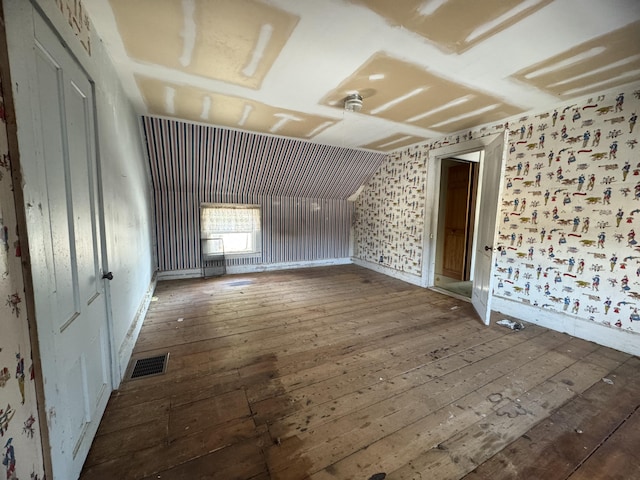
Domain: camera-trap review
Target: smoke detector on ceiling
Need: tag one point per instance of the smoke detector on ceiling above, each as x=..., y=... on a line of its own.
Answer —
x=353, y=102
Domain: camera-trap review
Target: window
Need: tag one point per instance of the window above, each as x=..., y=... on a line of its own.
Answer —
x=232, y=228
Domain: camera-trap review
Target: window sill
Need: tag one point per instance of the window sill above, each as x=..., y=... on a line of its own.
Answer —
x=244, y=255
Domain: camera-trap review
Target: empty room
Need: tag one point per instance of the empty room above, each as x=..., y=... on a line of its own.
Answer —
x=348, y=239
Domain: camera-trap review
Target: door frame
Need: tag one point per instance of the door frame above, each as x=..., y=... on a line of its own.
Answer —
x=434, y=172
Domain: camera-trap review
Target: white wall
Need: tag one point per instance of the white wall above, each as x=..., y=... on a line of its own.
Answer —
x=127, y=209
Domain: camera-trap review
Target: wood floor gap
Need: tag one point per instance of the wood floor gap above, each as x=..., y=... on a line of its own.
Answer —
x=603, y=442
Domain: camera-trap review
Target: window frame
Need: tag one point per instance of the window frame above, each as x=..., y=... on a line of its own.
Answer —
x=256, y=233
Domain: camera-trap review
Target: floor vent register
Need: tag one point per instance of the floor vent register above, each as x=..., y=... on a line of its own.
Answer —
x=146, y=367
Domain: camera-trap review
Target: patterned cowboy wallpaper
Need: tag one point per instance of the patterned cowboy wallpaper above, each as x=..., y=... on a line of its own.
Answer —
x=20, y=448
x=78, y=19
x=570, y=208
x=389, y=220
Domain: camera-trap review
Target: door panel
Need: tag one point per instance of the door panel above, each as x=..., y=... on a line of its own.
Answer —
x=79, y=125
x=492, y=174
x=456, y=221
x=72, y=321
x=63, y=269
x=453, y=258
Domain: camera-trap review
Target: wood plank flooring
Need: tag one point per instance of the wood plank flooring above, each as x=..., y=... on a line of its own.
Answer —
x=343, y=373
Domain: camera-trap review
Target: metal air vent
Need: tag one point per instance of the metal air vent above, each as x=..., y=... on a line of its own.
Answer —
x=146, y=367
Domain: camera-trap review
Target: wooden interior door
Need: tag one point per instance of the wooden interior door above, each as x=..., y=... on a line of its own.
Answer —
x=456, y=223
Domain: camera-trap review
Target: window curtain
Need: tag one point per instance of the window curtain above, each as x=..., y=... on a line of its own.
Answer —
x=217, y=220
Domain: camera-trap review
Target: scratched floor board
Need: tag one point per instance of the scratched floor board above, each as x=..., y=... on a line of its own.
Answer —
x=617, y=458
x=244, y=349
x=398, y=405
x=325, y=383
x=341, y=347
x=447, y=418
x=460, y=454
x=558, y=447
x=235, y=299
x=339, y=373
x=185, y=339
x=328, y=404
x=255, y=313
x=377, y=319
x=225, y=311
x=269, y=321
x=224, y=306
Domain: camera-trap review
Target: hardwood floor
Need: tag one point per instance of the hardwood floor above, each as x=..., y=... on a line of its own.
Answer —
x=343, y=373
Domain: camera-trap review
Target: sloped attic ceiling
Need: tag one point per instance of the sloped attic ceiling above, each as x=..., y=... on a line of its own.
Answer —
x=424, y=67
x=198, y=159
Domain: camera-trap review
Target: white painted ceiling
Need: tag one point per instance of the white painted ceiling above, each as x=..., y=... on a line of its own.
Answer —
x=425, y=67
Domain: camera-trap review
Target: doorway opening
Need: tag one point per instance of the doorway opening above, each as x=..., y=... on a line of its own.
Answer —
x=488, y=153
x=456, y=218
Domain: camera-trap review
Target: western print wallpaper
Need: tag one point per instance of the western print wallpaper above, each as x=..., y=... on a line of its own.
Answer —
x=569, y=209
x=78, y=19
x=390, y=214
x=20, y=448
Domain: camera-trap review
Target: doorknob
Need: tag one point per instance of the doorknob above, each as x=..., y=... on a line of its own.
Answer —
x=487, y=248
x=108, y=276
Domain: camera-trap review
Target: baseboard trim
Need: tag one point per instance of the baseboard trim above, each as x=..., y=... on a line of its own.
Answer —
x=263, y=267
x=404, y=276
x=179, y=274
x=612, y=337
x=126, y=348
x=269, y=267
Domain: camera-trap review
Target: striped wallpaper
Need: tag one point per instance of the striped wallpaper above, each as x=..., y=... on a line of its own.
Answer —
x=302, y=188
